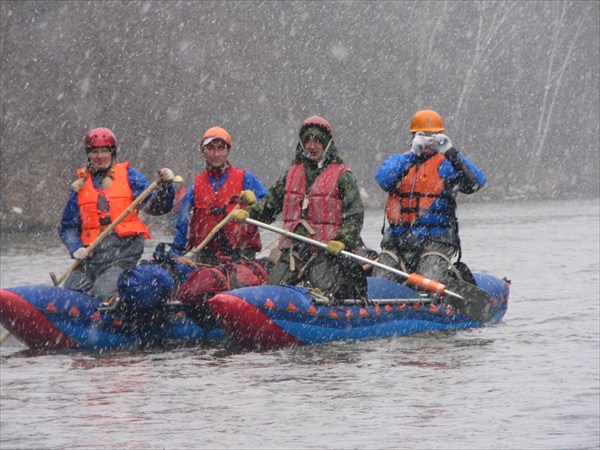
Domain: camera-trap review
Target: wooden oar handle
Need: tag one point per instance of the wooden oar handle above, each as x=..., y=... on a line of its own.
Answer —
x=134, y=204
x=58, y=281
x=4, y=336
x=212, y=233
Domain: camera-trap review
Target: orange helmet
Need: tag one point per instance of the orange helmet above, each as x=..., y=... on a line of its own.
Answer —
x=319, y=122
x=215, y=133
x=428, y=121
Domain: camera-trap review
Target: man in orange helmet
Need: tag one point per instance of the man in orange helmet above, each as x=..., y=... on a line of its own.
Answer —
x=102, y=191
x=319, y=198
x=421, y=207
x=215, y=192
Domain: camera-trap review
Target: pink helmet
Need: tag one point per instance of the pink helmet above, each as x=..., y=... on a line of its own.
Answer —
x=319, y=122
x=100, y=137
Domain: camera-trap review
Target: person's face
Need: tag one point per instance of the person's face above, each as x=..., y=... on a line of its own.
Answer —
x=314, y=148
x=177, y=186
x=100, y=157
x=216, y=153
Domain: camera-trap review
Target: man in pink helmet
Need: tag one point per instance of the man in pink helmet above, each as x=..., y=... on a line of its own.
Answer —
x=103, y=190
x=318, y=197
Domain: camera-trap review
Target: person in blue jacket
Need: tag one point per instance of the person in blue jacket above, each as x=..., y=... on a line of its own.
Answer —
x=103, y=190
x=214, y=193
x=422, y=185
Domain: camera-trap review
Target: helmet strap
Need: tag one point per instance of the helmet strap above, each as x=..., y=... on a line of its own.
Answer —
x=325, y=155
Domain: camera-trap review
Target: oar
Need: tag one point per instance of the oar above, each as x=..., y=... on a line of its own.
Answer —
x=4, y=336
x=211, y=235
x=476, y=305
x=413, y=278
x=139, y=199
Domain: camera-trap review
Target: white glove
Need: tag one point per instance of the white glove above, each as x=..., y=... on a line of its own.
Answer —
x=81, y=253
x=442, y=143
x=420, y=141
x=166, y=176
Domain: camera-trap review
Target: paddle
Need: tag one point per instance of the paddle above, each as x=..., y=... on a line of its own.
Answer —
x=139, y=199
x=4, y=336
x=211, y=235
x=470, y=300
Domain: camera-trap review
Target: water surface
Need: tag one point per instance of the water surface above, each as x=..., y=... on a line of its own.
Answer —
x=530, y=382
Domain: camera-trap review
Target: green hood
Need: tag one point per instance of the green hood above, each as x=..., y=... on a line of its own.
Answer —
x=332, y=154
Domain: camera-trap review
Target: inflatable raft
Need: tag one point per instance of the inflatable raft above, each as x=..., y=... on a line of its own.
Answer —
x=48, y=317
x=257, y=317
x=272, y=317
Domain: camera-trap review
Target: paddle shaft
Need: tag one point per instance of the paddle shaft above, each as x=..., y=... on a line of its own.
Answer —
x=211, y=235
x=139, y=199
x=4, y=336
x=413, y=278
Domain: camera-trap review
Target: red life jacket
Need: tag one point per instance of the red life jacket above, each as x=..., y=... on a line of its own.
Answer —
x=211, y=207
x=118, y=196
x=419, y=188
x=321, y=208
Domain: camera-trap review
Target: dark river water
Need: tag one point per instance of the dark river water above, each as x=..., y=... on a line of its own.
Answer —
x=531, y=382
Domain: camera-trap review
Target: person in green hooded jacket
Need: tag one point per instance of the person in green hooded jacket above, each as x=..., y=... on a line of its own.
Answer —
x=318, y=197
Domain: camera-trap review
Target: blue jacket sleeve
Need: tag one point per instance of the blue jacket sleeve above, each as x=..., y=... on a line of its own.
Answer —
x=183, y=220
x=159, y=202
x=393, y=169
x=252, y=183
x=463, y=173
x=70, y=224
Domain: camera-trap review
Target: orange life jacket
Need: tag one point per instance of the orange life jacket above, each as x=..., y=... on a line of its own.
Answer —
x=211, y=207
x=320, y=208
x=118, y=196
x=417, y=191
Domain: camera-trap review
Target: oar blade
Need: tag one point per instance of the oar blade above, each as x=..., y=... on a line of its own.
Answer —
x=475, y=303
